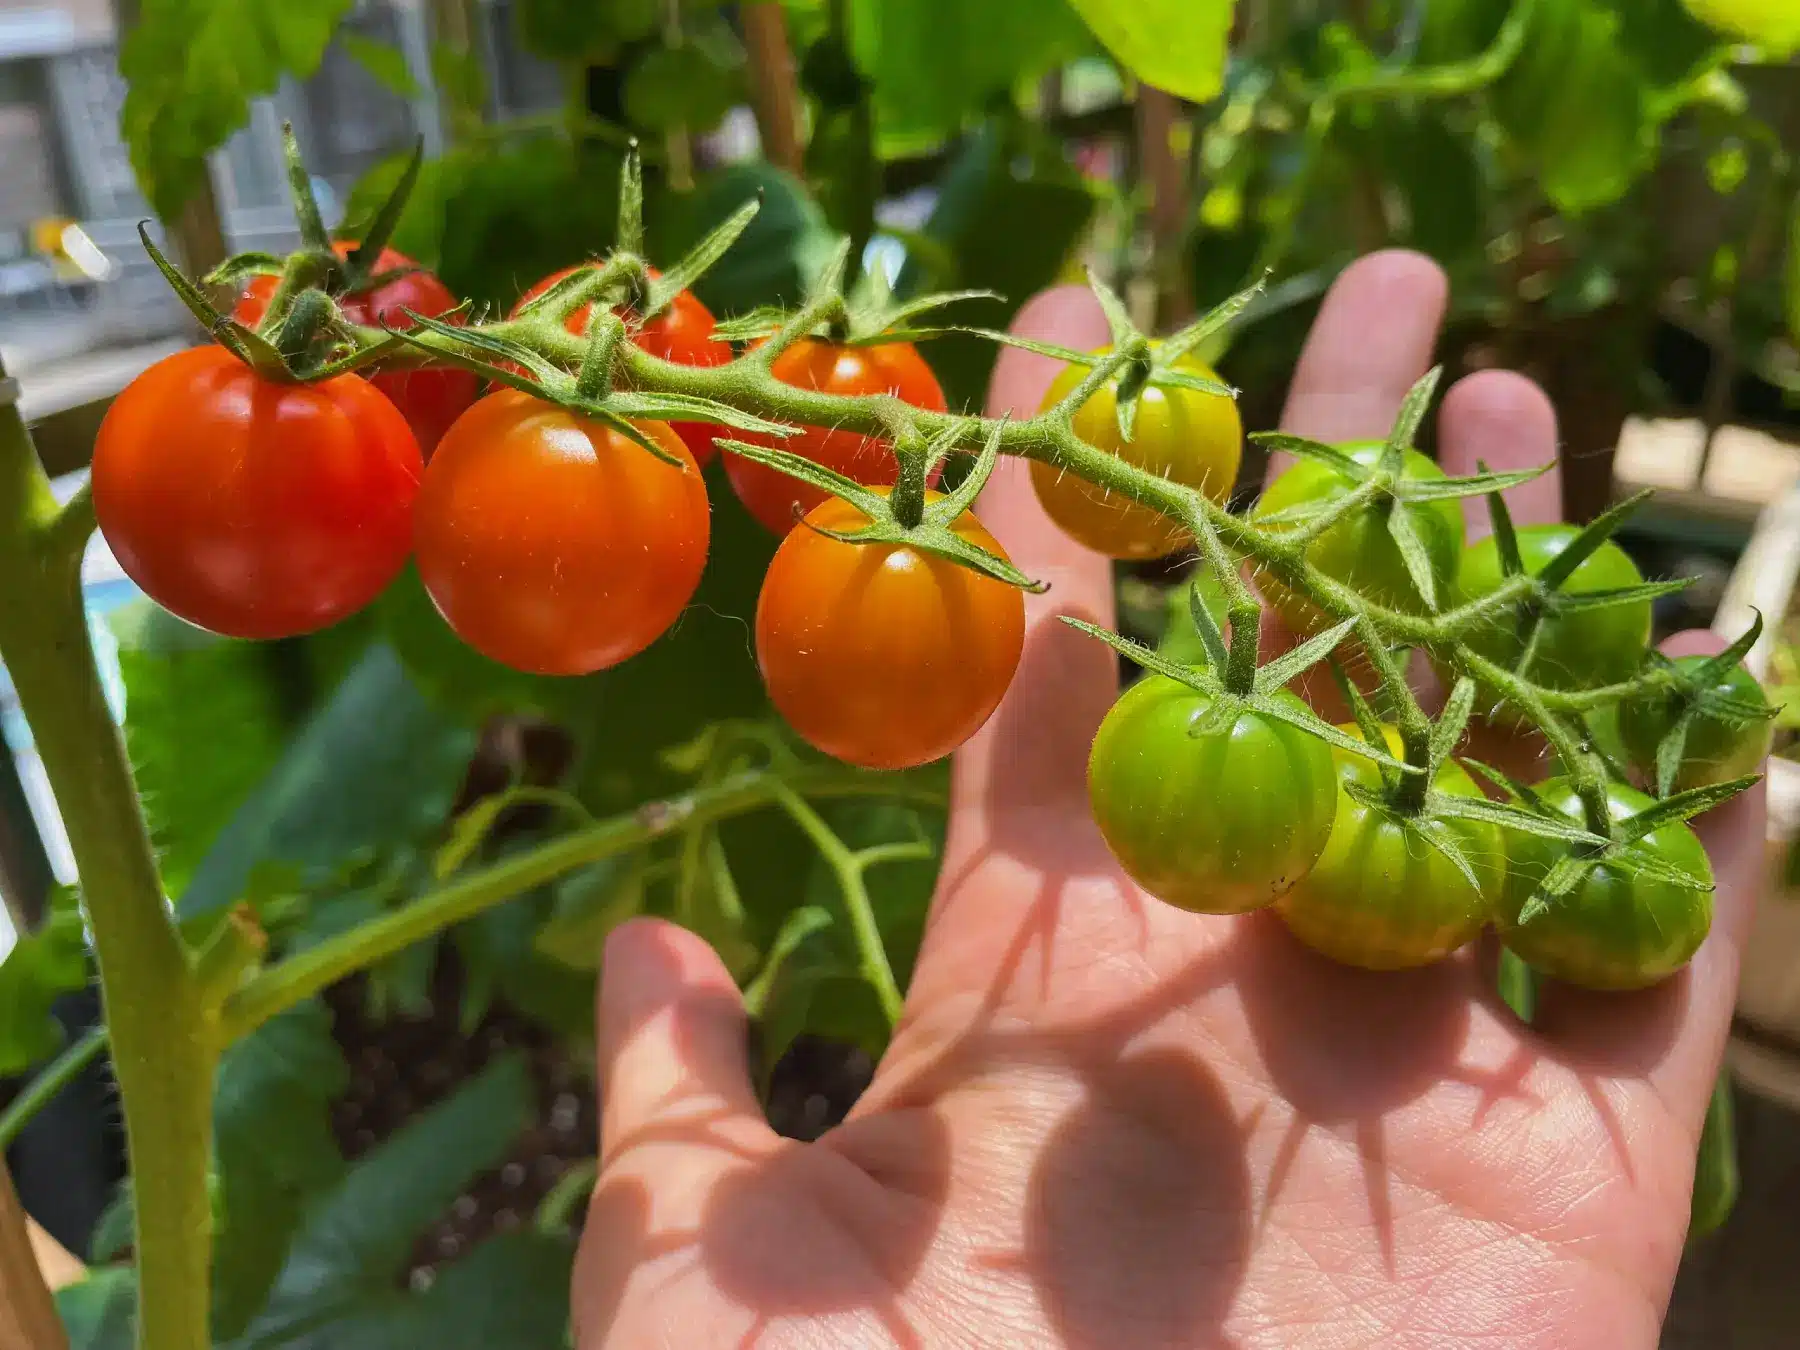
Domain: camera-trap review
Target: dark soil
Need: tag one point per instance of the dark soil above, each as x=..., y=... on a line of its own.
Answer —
x=406, y=1064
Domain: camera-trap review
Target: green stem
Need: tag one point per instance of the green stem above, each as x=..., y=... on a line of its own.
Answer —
x=1409, y=719
x=301, y=976
x=863, y=927
x=164, y=1048
x=45, y=1088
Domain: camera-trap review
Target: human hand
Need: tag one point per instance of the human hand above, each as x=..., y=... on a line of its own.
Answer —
x=1106, y=1124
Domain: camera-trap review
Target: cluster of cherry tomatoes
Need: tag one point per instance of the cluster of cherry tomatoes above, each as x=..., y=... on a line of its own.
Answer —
x=554, y=544
x=1232, y=814
x=548, y=541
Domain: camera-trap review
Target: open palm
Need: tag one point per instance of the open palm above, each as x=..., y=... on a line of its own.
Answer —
x=1105, y=1124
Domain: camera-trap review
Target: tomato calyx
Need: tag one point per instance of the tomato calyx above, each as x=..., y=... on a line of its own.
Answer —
x=869, y=316
x=931, y=530
x=1386, y=487
x=1623, y=849
x=1226, y=704
x=1696, y=691
x=1413, y=801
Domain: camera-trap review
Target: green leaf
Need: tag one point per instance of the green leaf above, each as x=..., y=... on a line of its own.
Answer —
x=275, y=1151
x=935, y=65
x=1573, y=72
x=376, y=764
x=41, y=967
x=588, y=906
x=457, y=75
x=582, y=32
x=385, y=62
x=100, y=1312
x=339, y=1288
x=185, y=688
x=1176, y=45
x=502, y=957
x=1774, y=24
x=1518, y=985
x=192, y=67
x=1791, y=274
x=691, y=86
x=1716, y=1179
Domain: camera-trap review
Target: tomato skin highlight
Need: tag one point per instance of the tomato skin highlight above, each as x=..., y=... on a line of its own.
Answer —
x=881, y=655
x=249, y=508
x=1381, y=897
x=894, y=368
x=1218, y=824
x=682, y=333
x=1180, y=434
x=1716, y=751
x=1612, y=932
x=1358, y=550
x=1577, y=651
x=429, y=397
x=553, y=544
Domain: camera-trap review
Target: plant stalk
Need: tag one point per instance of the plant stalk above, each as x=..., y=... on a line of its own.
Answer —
x=164, y=1049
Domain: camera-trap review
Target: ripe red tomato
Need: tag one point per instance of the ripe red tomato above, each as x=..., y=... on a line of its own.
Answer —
x=833, y=368
x=553, y=544
x=430, y=397
x=254, y=509
x=880, y=654
x=682, y=333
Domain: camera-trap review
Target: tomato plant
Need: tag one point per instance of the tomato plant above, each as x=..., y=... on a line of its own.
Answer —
x=1576, y=650
x=880, y=654
x=1185, y=435
x=1381, y=895
x=1716, y=747
x=553, y=543
x=1360, y=549
x=1219, y=819
x=681, y=332
x=251, y=508
x=429, y=397
x=894, y=368
x=1614, y=930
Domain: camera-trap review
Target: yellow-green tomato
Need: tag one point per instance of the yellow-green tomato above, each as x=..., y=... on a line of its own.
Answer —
x=1184, y=435
x=1381, y=896
x=1359, y=550
x=1716, y=750
x=1219, y=822
x=1614, y=930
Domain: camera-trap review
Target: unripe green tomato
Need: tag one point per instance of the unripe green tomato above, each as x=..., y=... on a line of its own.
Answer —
x=1578, y=650
x=1381, y=896
x=1716, y=751
x=1614, y=930
x=1358, y=550
x=1219, y=823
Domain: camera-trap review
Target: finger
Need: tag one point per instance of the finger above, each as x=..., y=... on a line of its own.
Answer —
x=1035, y=745
x=671, y=1049
x=1501, y=419
x=1675, y=1033
x=1373, y=339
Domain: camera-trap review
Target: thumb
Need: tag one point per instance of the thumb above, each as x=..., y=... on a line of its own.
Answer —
x=671, y=1047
